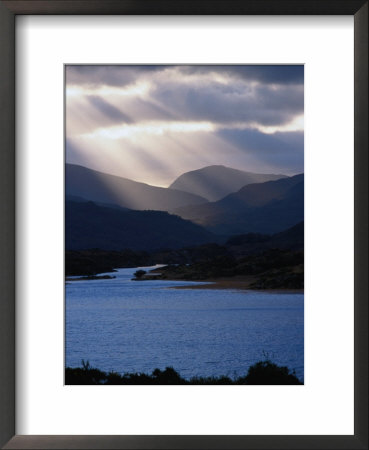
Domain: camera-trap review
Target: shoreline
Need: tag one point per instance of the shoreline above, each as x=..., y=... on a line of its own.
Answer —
x=236, y=285
x=89, y=277
x=239, y=284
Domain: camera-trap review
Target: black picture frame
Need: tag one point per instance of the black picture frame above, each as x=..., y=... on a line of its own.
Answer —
x=8, y=11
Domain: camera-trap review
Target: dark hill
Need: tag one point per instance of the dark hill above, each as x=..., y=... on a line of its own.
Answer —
x=89, y=226
x=260, y=194
x=109, y=189
x=251, y=243
x=73, y=198
x=261, y=208
x=293, y=238
x=215, y=182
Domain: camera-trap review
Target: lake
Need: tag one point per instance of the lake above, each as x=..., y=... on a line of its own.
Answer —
x=137, y=326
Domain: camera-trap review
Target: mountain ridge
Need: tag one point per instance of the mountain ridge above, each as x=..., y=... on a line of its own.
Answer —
x=216, y=181
x=88, y=225
x=100, y=187
x=266, y=207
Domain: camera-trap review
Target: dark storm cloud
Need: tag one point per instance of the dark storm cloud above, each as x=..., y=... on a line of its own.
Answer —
x=281, y=149
x=108, y=110
x=120, y=118
x=268, y=74
x=233, y=103
x=114, y=75
x=191, y=93
x=121, y=75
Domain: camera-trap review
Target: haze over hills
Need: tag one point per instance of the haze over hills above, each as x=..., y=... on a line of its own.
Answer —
x=113, y=221
x=109, y=189
x=267, y=207
x=88, y=225
x=215, y=182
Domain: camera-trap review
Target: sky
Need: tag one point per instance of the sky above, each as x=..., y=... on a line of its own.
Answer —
x=151, y=123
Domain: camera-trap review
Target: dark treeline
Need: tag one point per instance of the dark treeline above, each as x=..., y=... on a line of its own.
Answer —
x=94, y=261
x=261, y=373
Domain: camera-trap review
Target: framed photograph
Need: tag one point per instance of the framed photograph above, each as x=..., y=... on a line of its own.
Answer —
x=184, y=225
x=172, y=224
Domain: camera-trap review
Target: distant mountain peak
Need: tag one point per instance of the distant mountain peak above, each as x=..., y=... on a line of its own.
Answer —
x=216, y=181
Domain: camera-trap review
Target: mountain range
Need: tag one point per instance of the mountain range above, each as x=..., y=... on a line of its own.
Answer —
x=215, y=182
x=112, y=213
x=109, y=189
x=263, y=207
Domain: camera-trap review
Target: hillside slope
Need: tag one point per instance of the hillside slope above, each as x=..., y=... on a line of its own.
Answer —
x=215, y=182
x=88, y=225
x=262, y=208
x=104, y=188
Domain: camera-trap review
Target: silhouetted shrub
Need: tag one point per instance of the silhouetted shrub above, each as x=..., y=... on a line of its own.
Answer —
x=266, y=372
x=167, y=376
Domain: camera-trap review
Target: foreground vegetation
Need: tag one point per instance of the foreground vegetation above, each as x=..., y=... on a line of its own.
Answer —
x=261, y=373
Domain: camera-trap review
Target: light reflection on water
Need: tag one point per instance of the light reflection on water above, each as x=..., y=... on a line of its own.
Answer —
x=137, y=326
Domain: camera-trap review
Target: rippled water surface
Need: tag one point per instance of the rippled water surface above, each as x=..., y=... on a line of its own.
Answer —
x=131, y=326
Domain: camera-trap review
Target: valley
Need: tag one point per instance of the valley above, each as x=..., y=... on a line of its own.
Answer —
x=252, y=238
